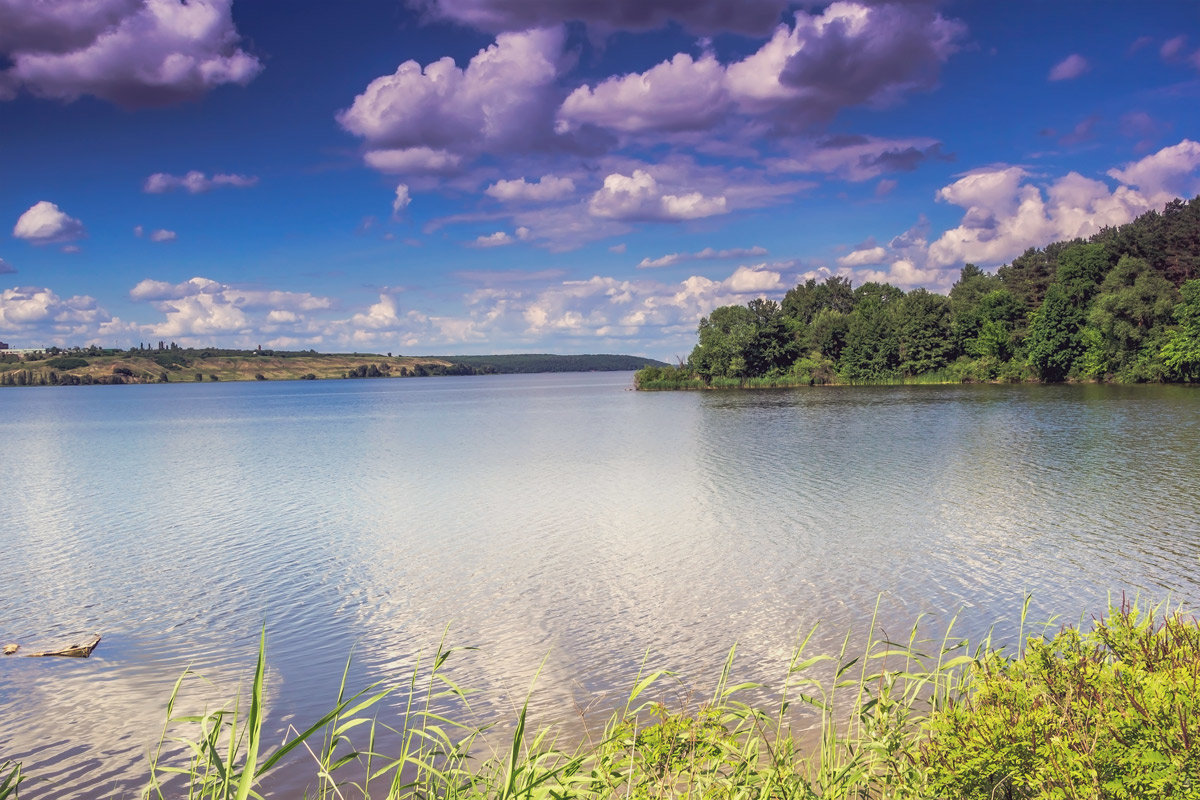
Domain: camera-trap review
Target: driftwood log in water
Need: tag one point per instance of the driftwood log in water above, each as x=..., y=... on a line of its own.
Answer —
x=72, y=650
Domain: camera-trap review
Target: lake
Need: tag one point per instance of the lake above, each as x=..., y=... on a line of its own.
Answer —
x=558, y=517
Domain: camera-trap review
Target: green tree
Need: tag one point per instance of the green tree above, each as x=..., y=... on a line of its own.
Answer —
x=827, y=333
x=806, y=300
x=1181, y=354
x=1081, y=268
x=775, y=344
x=724, y=336
x=923, y=332
x=1128, y=321
x=973, y=284
x=999, y=316
x=1054, y=336
x=872, y=350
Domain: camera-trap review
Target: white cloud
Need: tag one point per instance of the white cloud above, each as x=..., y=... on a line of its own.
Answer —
x=201, y=307
x=1005, y=214
x=194, y=182
x=413, y=160
x=45, y=223
x=133, y=54
x=640, y=197
x=1069, y=68
x=851, y=54
x=6, y=268
x=163, y=235
x=39, y=313
x=546, y=188
x=707, y=254
x=402, y=201
x=752, y=280
x=502, y=101
x=907, y=275
x=865, y=257
x=680, y=94
x=379, y=316
x=497, y=239
x=1164, y=175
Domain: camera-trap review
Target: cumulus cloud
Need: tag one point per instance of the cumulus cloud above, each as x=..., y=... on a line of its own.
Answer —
x=201, y=307
x=864, y=257
x=752, y=17
x=497, y=239
x=1069, y=68
x=707, y=254
x=530, y=309
x=852, y=54
x=194, y=182
x=45, y=223
x=640, y=197
x=546, y=188
x=501, y=238
x=402, y=201
x=413, y=160
x=1164, y=175
x=905, y=274
x=39, y=312
x=427, y=119
x=134, y=53
x=163, y=235
x=680, y=94
x=1005, y=214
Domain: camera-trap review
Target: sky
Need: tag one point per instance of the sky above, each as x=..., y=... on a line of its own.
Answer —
x=566, y=176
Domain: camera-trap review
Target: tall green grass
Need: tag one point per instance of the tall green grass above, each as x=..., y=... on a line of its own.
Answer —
x=866, y=709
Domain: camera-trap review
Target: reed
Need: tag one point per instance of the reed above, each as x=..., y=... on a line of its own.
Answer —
x=11, y=780
x=868, y=708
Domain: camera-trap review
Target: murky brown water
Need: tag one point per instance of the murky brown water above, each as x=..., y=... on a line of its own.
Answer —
x=556, y=516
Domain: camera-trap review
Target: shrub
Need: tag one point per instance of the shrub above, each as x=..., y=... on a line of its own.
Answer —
x=67, y=362
x=1111, y=713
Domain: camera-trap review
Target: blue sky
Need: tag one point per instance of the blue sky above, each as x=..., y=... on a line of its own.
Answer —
x=485, y=176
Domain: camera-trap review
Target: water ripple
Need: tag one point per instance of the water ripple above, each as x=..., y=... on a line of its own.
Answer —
x=543, y=517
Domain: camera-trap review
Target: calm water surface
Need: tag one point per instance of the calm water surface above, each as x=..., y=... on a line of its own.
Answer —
x=557, y=516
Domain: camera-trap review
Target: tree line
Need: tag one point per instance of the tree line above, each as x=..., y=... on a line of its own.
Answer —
x=1122, y=306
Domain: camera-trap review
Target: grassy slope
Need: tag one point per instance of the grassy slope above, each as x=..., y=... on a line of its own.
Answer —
x=293, y=366
x=231, y=368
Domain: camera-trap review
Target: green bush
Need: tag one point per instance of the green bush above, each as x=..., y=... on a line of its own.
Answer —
x=67, y=362
x=1111, y=713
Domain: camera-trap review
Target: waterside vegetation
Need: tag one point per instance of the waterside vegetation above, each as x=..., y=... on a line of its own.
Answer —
x=1123, y=306
x=1108, y=712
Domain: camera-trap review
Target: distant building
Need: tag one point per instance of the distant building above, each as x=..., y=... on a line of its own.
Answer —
x=3, y=345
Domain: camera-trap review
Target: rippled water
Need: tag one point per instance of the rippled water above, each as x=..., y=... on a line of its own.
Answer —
x=557, y=516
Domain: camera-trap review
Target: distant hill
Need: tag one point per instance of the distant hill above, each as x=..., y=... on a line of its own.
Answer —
x=172, y=364
x=545, y=362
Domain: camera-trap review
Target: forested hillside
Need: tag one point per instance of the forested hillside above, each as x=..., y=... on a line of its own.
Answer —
x=1122, y=306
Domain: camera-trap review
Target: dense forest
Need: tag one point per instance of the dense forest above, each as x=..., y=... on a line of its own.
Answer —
x=1122, y=306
